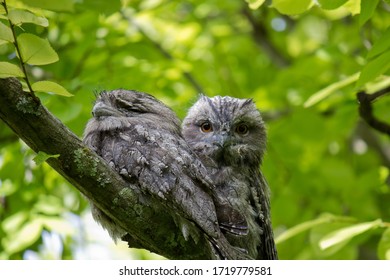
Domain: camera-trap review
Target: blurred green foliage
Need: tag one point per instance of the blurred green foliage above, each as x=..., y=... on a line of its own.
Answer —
x=300, y=61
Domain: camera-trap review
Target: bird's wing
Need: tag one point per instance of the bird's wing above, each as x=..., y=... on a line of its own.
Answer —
x=160, y=163
x=231, y=220
x=260, y=192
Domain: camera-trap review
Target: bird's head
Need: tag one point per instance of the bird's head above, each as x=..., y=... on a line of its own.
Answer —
x=228, y=130
x=118, y=106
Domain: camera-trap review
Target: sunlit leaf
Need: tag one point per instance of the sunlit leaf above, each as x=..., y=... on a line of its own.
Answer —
x=10, y=70
x=300, y=228
x=49, y=205
x=353, y=6
x=331, y=4
x=374, y=68
x=26, y=236
x=50, y=87
x=57, y=224
x=345, y=234
x=326, y=92
x=20, y=16
x=384, y=173
x=367, y=9
x=35, y=50
x=255, y=4
x=7, y=188
x=5, y=33
x=59, y=6
x=378, y=84
x=384, y=245
x=292, y=7
x=317, y=233
x=14, y=222
x=41, y=157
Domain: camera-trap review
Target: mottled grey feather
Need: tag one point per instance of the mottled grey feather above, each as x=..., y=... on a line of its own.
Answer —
x=140, y=138
x=229, y=136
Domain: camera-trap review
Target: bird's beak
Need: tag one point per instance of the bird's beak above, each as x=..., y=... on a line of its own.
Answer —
x=221, y=140
x=102, y=110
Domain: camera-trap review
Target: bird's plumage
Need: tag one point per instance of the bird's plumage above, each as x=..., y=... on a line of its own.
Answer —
x=140, y=138
x=229, y=136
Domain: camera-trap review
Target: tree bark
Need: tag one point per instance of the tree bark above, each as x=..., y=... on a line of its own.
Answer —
x=90, y=174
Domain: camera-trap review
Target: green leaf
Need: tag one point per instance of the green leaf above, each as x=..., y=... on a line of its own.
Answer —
x=5, y=33
x=292, y=7
x=317, y=233
x=302, y=228
x=380, y=45
x=35, y=50
x=367, y=9
x=10, y=70
x=374, y=68
x=41, y=157
x=48, y=205
x=15, y=221
x=353, y=6
x=326, y=92
x=331, y=4
x=7, y=188
x=57, y=224
x=255, y=4
x=58, y=6
x=18, y=17
x=50, y=87
x=23, y=238
x=346, y=234
x=384, y=246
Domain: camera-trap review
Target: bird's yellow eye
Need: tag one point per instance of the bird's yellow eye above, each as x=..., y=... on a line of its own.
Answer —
x=206, y=127
x=242, y=129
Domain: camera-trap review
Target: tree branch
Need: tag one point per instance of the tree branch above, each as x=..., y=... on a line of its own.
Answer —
x=366, y=110
x=41, y=131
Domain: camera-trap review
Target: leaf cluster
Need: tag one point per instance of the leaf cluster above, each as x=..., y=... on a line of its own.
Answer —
x=29, y=48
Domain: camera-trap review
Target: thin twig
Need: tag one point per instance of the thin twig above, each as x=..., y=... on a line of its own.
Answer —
x=366, y=110
x=17, y=48
x=379, y=93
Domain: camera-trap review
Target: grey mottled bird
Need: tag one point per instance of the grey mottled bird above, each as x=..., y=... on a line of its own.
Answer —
x=229, y=136
x=140, y=138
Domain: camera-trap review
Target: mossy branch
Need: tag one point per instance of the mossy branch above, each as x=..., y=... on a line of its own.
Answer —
x=41, y=131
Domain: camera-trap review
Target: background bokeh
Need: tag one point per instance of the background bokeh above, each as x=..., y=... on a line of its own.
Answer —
x=327, y=170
